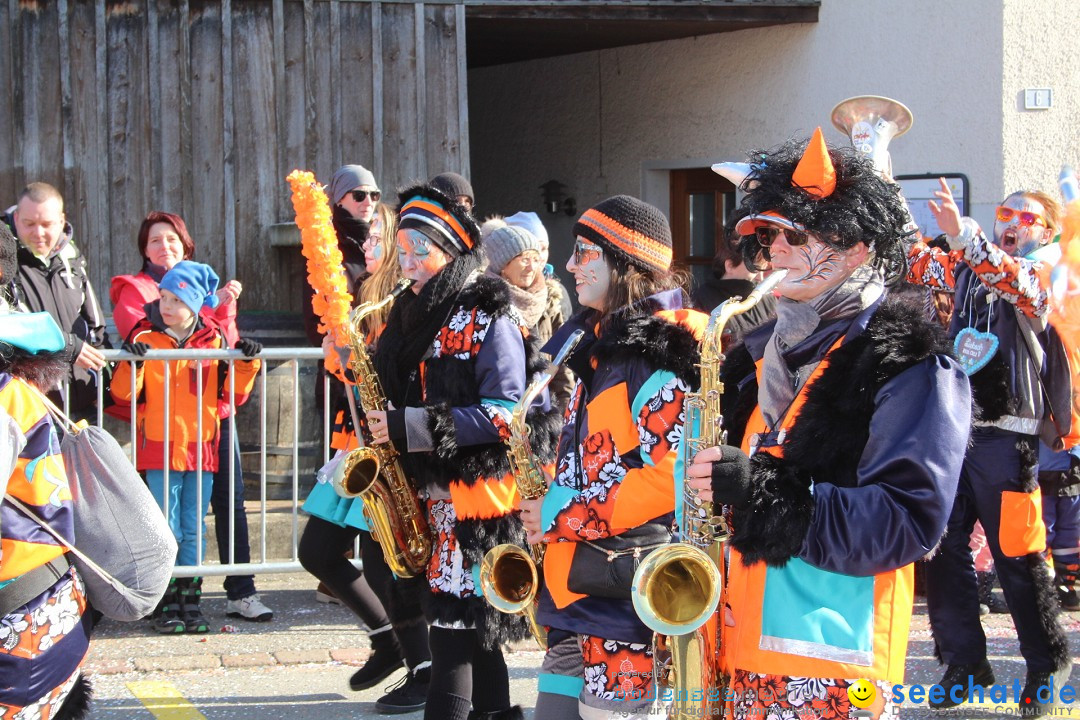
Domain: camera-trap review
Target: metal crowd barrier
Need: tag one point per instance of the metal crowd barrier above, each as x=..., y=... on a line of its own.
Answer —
x=292, y=356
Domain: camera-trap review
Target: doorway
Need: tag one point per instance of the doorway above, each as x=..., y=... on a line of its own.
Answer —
x=701, y=202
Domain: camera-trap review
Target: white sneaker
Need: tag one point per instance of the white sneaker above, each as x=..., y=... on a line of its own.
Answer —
x=249, y=608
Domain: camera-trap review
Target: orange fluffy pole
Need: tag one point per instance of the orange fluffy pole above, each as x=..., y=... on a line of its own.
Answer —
x=319, y=244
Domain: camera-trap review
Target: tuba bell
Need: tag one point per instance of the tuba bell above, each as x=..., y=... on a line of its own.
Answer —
x=871, y=122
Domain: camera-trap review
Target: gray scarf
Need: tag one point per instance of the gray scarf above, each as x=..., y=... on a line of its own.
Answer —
x=796, y=321
x=530, y=302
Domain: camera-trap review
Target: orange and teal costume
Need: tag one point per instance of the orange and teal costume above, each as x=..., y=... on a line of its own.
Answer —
x=849, y=488
x=617, y=460
x=1007, y=298
x=44, y=641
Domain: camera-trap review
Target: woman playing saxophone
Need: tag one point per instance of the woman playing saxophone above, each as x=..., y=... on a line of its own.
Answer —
x=617, y=454
x=387, y=606
x=452, y=361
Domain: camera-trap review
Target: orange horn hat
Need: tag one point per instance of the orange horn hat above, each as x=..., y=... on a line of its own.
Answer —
x=815, y=172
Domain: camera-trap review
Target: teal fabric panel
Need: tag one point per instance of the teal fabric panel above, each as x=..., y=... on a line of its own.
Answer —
x=557, y=498
x=815, y=613
x=561, y=685
x=323, y=502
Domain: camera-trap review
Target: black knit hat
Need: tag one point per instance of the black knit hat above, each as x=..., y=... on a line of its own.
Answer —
x=453, y=185
x=442, y=219
x=630, y=228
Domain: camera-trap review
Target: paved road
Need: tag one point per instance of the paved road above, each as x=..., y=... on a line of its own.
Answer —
x=299, y=664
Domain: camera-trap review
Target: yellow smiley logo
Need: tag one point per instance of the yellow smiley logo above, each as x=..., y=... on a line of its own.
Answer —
x=861, y=693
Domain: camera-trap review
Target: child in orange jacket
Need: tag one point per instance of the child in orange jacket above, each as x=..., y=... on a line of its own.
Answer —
x=182, y=457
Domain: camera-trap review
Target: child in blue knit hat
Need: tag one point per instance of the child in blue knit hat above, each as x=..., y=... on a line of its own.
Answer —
x=179, y=460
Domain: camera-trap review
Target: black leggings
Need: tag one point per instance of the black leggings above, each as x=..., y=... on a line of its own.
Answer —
x=322, y=553
x=463, y=670
x=400, y=596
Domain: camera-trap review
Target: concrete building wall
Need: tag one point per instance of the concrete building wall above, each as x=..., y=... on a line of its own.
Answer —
x=1040, y=50
x=616, y=120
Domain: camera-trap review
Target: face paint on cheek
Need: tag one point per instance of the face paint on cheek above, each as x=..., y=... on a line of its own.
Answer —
x=813, y=268
x=822, y=264
x=377, y=252
x=595, y=277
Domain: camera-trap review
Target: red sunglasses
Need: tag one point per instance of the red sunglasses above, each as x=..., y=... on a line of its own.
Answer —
x=1027, y=219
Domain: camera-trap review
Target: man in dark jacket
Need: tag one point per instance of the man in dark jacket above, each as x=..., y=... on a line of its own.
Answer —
x=52, y=278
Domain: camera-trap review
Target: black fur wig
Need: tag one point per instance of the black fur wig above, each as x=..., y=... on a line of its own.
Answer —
x=863, y=207
x=43, y=370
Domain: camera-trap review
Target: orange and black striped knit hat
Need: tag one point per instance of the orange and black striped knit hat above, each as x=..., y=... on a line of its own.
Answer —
x=631, y=228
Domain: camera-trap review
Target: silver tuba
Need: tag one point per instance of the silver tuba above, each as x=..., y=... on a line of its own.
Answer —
x=871, y=122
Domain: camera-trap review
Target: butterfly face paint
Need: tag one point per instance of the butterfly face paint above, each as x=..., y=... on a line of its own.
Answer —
x=420, y=258
x=592, y=273
x=812, y=268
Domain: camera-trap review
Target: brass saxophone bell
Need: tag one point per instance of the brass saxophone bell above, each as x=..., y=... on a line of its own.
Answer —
x=355, y=473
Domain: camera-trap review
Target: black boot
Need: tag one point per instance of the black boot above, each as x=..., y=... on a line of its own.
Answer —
x=407, y=696
x=190, y=594
x=1034, y=703
x=1065, y=584
x=386, y=657
x=167, y=619
x=957, y=675
x=987, y=596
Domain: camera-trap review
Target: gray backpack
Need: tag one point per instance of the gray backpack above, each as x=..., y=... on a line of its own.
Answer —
x=125, y=549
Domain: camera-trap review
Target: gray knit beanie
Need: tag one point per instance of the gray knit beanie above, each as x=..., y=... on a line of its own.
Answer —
x=348, y=177
x=506, y=243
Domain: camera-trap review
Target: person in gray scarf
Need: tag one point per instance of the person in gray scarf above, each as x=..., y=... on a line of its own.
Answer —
x=847, y=420
x=513, y=253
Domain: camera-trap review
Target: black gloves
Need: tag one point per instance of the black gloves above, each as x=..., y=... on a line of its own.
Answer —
x=731, y=477
x=249, y=347
x=135, y=348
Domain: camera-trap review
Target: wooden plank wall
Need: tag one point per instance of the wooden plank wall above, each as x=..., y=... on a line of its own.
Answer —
x=202, y=107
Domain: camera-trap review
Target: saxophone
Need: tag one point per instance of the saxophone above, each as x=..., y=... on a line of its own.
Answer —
x=397, y=518
x=509, y=576
x=678, y=588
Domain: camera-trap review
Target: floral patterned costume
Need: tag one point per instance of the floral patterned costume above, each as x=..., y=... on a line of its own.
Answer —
x=616, y=470
x=451, y=431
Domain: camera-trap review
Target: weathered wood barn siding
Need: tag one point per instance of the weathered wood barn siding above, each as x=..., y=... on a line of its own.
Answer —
x=202, y=107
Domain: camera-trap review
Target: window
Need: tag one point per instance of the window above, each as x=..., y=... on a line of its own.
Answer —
x=701, y=202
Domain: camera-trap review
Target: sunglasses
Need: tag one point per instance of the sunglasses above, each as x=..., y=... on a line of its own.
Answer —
x=585, y=253
x=766, y=234
x=1027, y=219
x=361, y=195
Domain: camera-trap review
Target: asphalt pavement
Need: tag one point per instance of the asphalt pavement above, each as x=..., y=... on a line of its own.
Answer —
x=302, y=659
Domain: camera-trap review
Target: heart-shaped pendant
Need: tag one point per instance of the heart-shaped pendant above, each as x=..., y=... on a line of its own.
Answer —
x=974, y=349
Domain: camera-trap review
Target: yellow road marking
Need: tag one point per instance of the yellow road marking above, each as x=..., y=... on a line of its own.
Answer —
x=164, y=701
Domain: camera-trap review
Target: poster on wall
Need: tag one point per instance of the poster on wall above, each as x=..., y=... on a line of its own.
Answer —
x=920, y=189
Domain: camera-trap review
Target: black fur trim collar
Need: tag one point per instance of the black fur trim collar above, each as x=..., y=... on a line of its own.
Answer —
x=828, y=438
x=663, y=345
